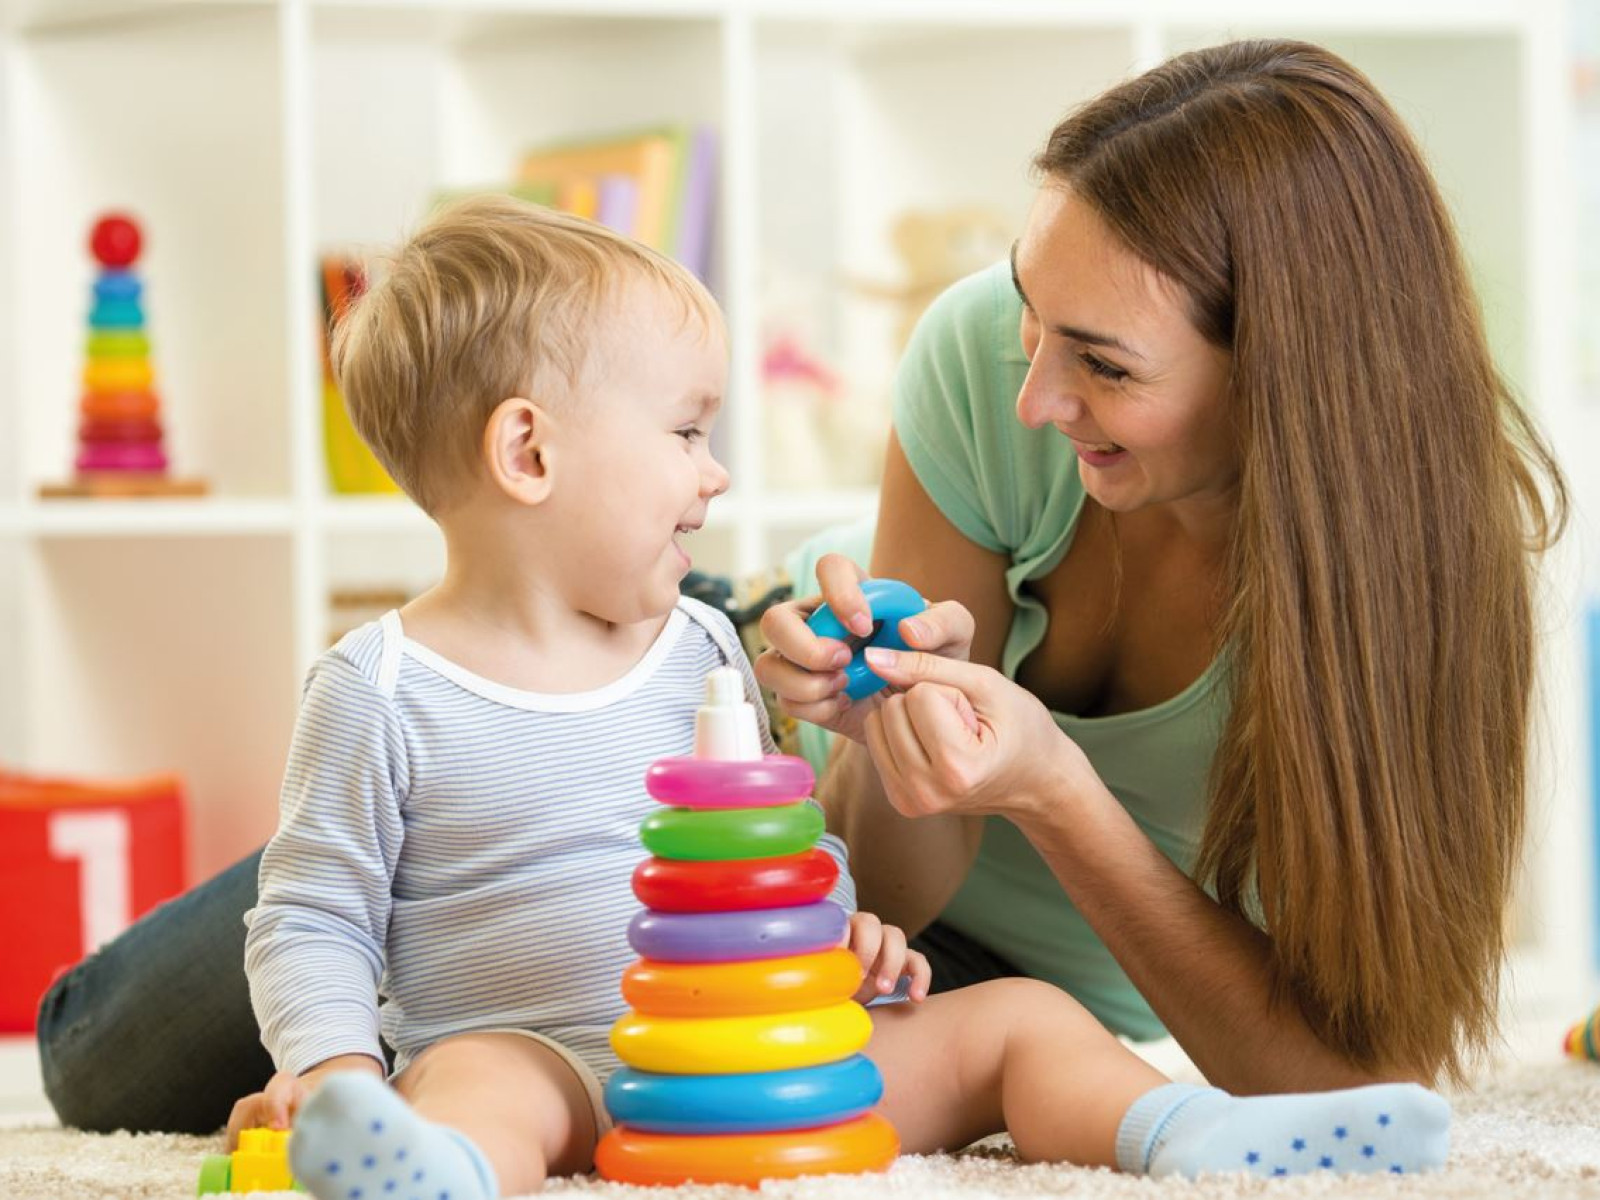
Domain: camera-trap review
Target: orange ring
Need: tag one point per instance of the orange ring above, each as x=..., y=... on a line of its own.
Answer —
x=762, y=985
x=867, y=1143
x=136, y=405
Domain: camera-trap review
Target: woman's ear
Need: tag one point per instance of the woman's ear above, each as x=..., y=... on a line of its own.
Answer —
x=517, y=447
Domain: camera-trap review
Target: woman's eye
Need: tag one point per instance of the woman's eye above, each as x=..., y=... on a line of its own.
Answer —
x=1100, y=367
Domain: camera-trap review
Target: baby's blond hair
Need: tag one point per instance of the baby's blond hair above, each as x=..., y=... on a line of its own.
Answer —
x=491, y=298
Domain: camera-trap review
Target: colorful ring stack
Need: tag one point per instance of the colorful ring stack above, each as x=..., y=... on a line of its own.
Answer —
x=120, y=431
x=1581, y=1040
x=743, y=1043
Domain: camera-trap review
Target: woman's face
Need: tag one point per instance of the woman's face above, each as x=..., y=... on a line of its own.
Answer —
x=1116, y=365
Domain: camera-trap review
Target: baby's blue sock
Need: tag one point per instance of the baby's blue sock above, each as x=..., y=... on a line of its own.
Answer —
x=356, y=1139
x=1179, y=1129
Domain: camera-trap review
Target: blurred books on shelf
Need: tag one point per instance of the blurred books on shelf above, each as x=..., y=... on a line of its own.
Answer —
x=352, y=469
x=656, y=185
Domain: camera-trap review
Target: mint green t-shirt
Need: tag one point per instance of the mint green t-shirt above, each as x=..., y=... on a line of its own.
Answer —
x=1016, y=491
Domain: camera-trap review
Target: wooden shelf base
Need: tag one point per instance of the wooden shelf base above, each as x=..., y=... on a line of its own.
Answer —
x=123, y=485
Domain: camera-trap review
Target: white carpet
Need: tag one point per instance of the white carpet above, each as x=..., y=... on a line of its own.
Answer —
x=1530, y=1130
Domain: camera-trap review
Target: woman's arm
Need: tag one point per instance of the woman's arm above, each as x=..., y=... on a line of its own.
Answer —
x=906, y=871
x=962, y=740
x=1206, y=973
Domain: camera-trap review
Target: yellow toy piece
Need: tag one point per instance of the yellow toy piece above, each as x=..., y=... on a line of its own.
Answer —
x=118, y=374
x=260, y=1164
x=737, y=1045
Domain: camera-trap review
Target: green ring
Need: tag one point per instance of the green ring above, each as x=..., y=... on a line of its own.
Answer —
x=714, y=835
x=118, y=343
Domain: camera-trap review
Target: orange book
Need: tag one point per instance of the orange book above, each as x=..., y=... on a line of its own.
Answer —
x=652, y=159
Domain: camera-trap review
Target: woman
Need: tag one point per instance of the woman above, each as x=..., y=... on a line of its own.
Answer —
x=1222, y=719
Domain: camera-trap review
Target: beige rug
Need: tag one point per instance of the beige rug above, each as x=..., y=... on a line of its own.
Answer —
x=1529, y=1131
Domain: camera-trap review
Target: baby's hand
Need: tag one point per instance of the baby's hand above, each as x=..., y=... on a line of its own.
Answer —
x=275, y=1108
x=885, y=957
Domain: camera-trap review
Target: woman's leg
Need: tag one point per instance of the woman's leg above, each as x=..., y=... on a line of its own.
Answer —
x=154, y=1031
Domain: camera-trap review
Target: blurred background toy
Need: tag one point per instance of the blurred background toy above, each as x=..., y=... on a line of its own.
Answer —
x=120, y=450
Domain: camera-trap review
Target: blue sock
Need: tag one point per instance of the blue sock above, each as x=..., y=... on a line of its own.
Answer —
x=1179, y=1129
x=356, y=1139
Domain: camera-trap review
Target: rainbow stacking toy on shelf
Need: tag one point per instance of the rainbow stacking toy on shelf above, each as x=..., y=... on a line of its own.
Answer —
x=120, y=450
x=742, y=1049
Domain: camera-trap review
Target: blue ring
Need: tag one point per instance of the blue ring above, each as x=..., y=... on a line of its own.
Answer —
x=763, y=1101
x=890, y=602
x=116, y=314
x=117, y=285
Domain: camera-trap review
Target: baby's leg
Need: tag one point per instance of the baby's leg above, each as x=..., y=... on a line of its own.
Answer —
x=1021, y=1055
x=1010, y=1054
x=473, y=1117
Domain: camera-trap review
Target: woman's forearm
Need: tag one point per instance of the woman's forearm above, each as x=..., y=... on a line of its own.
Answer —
x=906, y=870
x=1207, y=973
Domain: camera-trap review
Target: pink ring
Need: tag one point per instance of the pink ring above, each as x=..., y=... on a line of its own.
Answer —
x=714, y=783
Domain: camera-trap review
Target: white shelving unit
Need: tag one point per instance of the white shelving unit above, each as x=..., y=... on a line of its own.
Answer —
x=251, y=135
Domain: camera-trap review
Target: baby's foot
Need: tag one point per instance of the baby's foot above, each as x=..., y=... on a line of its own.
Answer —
x=1183, y=1130
x=356, y=1139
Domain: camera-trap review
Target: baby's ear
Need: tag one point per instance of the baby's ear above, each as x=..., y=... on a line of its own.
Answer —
x=516, y=449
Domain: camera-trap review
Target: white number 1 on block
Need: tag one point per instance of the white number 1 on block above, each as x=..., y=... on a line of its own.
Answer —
x=99, y=841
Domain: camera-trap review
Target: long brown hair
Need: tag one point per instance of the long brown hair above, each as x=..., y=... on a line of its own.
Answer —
x=1367, y=797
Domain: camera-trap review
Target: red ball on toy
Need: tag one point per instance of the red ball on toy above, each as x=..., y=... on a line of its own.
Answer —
x=115, y=240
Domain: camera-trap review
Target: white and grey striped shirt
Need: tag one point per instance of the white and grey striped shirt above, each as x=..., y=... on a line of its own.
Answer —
x=466, y=849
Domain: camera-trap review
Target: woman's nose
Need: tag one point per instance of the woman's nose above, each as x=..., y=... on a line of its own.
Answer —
x=1046, y=398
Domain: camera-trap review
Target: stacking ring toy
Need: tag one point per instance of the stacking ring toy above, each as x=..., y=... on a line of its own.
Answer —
x=868, y=1143
x=766, y=1101
x=718, y=783
x=730, y=936
x=890, y=602
x=733, y=1045
x=119, y=406
x=117, y=285
x=674, y=885
x=731, y=833
x=764, y=985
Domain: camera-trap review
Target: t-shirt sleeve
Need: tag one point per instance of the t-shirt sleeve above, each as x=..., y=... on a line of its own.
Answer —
x=952, y=416
x=314, y=952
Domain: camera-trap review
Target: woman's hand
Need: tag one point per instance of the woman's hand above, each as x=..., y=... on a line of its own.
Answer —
x=275, y=1106
x=806, y=672
x=957, y=737
x=885, y=957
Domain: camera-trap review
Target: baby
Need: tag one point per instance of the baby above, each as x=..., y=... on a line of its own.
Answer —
x=461, y=806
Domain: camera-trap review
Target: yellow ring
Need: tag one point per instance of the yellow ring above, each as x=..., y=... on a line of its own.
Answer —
x=739, y=989
x=735, y=1045
x=117, y=374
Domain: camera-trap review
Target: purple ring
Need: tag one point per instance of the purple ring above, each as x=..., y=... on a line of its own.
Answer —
x=718, y=783
x=737, y=936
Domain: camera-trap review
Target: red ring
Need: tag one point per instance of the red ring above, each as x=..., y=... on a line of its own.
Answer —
x=730, y=885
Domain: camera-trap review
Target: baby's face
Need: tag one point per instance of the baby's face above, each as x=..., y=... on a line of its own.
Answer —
x=639, y=474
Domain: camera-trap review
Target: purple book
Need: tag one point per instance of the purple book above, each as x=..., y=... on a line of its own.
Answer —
x=617, y=203
x=696, y=210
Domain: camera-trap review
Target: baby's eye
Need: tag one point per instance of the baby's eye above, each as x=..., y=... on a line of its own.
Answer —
x=691, y=433
x=1099, y=366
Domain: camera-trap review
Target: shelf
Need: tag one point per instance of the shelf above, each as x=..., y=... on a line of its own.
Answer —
x=148, y=518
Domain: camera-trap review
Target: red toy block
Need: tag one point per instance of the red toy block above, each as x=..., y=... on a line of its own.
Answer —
x=79, y=862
